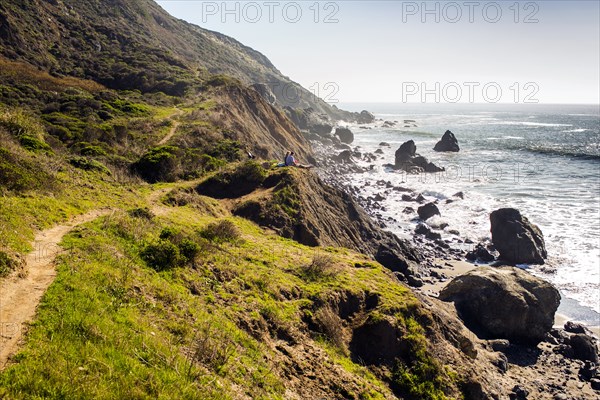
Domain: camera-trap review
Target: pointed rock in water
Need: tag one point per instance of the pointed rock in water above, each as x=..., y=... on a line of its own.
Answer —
x=504, y=303
x=345, y=135
x=517, y=240
x=447, y=143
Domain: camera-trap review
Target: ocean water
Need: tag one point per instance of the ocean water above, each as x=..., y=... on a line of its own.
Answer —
x=541, y=159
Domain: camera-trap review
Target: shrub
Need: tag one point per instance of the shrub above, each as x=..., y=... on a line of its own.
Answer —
x=226, y=149
x=322, y=265
x=26, y=129
x=188, y=249
x=222, y=231
x=159, y=164
x=7, y=264
x=330, y=324
x=143, y=213
x=93, y=151
x=87, y=164
x=34, y=144
x=162, y=255
x=17, y=173
x=212, y=347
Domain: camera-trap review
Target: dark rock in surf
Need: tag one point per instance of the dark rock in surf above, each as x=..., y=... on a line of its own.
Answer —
x=447, y=143
x=345, y=135
x=517, y=240
x=365, y=117
x=407, y=159
x=427, y=211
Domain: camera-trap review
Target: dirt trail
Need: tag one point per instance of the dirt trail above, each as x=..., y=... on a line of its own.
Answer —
x=173, y=128
x=19, y=297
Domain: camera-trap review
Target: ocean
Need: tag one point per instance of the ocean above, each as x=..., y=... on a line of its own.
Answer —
x=543, y=160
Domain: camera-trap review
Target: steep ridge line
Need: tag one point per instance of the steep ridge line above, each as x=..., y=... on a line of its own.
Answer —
x=19, y=297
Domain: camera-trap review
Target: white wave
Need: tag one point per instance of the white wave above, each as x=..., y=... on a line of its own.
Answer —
x=577, y=130
x=525, y=123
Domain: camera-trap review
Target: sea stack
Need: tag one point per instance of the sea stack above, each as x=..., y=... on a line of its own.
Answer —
x=447, y=143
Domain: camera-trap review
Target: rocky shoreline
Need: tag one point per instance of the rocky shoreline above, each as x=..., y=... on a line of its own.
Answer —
x=548, y=368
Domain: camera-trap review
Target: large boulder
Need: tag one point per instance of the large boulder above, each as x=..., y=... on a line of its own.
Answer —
x=365, y=117
x=407, y=159
x=517, y=240
x=427, y=211
x=447, y=143
x=345, y=135
x=504, y=303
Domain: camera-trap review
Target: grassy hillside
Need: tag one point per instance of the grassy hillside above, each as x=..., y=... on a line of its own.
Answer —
x=186, y=301
x=136, y=45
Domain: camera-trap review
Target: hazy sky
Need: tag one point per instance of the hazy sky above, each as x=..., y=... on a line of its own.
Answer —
x=404, y=51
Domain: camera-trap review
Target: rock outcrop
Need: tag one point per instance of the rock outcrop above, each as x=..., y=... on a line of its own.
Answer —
x=505, y=302
x=309, y=120
x=447, y=143
x=345, y=135
x=517, y=240
x=265, y=92
x=365, y=117
x=408, y=160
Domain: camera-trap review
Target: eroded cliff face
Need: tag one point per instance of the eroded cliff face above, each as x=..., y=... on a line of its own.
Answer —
x=263, y=128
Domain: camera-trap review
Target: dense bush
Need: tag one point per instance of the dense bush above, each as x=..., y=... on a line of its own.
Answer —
x=222, y=231
x=7, y=264
x=322, y=265
x=162, y=255
x=236, y=183
x=172, y=249
x=17, y=173
x=88, y=164
x=160, y=164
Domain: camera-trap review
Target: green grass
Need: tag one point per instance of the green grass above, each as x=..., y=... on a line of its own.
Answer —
x=113, y=327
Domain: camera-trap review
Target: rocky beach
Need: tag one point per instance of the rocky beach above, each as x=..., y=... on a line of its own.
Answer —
x=456, y=269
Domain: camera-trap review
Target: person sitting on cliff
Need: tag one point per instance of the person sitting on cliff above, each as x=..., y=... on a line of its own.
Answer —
x=284, y=163
x=290, y=161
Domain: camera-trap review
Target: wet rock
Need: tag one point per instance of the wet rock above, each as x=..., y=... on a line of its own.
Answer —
x=408, y=210
x=447, y=143
x=480, y=253
x=423, y=229
x=345, y=135
x=460, y=195
x=384, y=144
x=378, y=151
x=575, y=327
x=524, y=314
x=595, y=383
x=344, y=157
x=407, y=159
x=365, y=117
x=427, y=211
x=588, y=371
x=517, y=240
